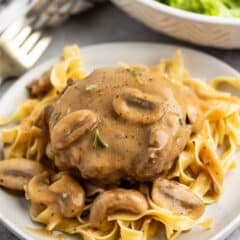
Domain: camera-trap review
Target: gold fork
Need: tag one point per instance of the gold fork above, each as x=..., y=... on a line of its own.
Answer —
x=20, y=48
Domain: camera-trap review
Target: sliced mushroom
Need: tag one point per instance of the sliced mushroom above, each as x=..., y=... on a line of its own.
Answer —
x=71, y=127
x=116, y=200
x=65, y=193
x=136, y=106
x=71, y=196
x=92, y=189
x=177, y=198
x=17, y=172
x=38, y=190
x=40, y=86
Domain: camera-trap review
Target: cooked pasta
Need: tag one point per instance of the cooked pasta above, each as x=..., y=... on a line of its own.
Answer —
x=199, y=169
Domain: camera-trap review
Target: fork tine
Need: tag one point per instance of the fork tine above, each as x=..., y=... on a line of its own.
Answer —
x=39, y=48
x=30, y=42
x=43, y=14
x=13, y=29
x=38, y=7
x=22, y=35
x=63, y=10
x=34, y=13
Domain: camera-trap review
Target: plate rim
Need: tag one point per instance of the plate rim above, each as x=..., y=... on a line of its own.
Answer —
x=19, y=232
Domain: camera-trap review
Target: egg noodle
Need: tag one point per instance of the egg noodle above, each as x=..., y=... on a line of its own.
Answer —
x=201, y=167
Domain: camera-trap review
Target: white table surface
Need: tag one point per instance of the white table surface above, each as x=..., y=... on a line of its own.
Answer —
x=108, y=24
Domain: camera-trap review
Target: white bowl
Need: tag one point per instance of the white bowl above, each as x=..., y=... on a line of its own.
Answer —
x=196, y=28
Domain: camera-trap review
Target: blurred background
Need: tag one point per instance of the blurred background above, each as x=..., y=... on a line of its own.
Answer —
x=94, y=22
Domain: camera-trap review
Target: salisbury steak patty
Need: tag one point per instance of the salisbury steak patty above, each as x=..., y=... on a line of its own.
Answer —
x=139, y=116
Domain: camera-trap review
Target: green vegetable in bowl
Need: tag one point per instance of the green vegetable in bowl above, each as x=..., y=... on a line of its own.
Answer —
x=222, y=8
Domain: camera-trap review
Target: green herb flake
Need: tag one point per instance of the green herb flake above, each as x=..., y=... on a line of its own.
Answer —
x=134, y=73
x=97, y=140
x=91, y=87
x=180, y=121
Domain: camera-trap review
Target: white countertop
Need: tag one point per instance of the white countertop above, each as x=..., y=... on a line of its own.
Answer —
x=107, y=24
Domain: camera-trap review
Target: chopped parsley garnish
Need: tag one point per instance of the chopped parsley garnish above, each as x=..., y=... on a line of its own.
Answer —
x=97, y=140
x=180, y=121
x=134, y=72
x=90, y=87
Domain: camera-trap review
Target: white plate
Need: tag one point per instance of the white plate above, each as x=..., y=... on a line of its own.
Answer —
x=226, y=213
